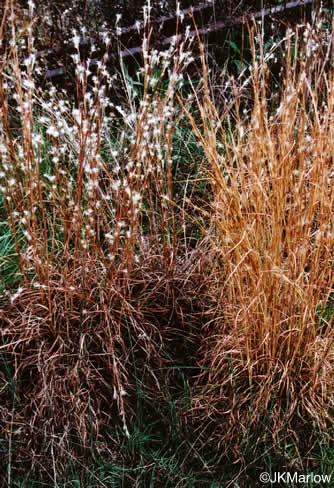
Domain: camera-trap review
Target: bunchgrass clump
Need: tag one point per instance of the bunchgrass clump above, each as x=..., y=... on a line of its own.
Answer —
x=91, y=236
x=166, y=262
x=269, y=354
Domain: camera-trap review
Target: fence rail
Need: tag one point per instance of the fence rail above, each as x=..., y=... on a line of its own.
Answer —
x=187, y=13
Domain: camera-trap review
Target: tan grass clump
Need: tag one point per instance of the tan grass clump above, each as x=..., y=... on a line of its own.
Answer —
x=270, y=352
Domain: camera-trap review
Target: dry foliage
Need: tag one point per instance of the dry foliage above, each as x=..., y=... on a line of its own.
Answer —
x=97, y=250
x=269, y=355
x=113, y=289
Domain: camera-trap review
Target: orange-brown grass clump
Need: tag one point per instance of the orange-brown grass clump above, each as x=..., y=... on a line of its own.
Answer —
x=96, y=250
x=269, y=352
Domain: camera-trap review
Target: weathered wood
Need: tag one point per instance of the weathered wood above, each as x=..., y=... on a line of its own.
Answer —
x=214, y=27
x=165, y=18
x=132, y=28
x=239, y=20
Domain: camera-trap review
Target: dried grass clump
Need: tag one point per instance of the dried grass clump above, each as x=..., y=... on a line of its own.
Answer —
x=96, y=251
x=270, y=353
x=75, y=370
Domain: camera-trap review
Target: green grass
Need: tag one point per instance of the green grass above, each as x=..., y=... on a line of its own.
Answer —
x=9, y=269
